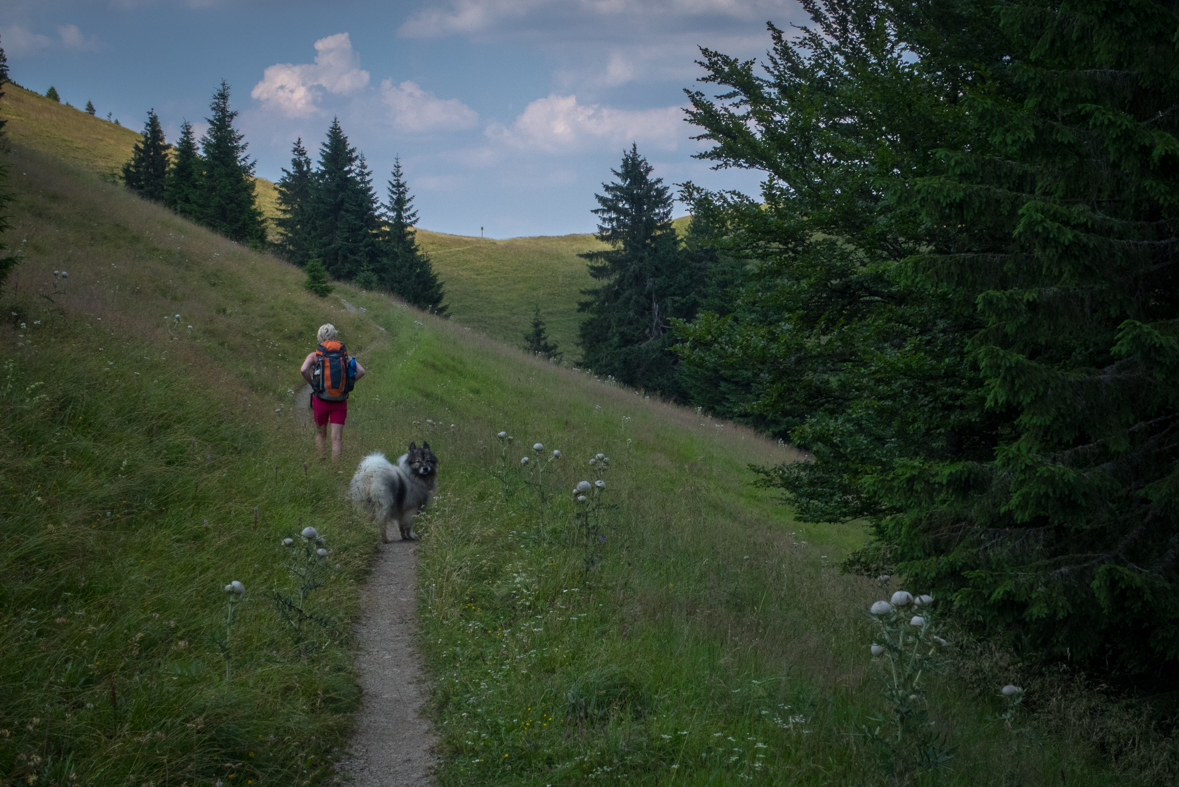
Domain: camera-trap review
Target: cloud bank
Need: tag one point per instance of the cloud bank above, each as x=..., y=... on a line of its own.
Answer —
x=558, y=123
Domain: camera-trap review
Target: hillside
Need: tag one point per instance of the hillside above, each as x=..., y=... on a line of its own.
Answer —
x=491, y=286
x=675, y=626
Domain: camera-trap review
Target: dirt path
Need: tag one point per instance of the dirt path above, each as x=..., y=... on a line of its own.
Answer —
x=391, y=744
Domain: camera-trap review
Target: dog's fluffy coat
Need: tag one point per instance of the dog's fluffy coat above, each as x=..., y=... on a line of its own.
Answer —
x=395, y=492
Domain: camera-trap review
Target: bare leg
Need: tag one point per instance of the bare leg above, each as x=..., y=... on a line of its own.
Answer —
x=320, y=439
x=337, y=441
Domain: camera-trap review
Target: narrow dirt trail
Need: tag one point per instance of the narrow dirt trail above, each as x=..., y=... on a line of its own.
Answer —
x=391, y=744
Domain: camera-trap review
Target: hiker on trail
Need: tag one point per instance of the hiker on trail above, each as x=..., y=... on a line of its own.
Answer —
x=331, y=373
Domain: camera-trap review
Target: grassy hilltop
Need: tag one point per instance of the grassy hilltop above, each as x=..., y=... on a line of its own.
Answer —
x=491, y=286
x=676, y=627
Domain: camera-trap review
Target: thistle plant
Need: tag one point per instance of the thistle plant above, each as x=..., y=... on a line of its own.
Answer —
x=236, y=591
x=173, y=325
x=533, y=471
x=588, y=517
x=909, y=649
x=307, y=557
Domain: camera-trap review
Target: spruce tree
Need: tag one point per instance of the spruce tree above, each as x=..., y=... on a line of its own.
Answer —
x=183, y=189
x=317, y=278
x=7, y=262
x=52, y=95
x=965, y=290
x=228, y=202
x=537, y=341
x=147, y=169
x=296, y=221
x=341, y=221
x=405, y=268
x=627, y=331
x=90, y=108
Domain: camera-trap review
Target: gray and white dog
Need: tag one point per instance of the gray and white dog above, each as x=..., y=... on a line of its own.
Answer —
x=395, y=492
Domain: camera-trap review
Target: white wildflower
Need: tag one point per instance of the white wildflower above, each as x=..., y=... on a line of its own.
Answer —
x=321, y=552
x=880, y=608
x=902, y=598
x=583, y=486
x=310, y=533
x=917, y=621
x=538, y=446
x=237, y=587
x=877, y=649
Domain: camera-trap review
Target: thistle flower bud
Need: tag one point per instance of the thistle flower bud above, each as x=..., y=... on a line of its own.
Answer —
x=556, y=454
x=583, y=486
x=902, y=598
x=923, y=600
x=877, y=649
x=881, y=608
x=581, y=498
x=1011, y=691
x=917, y=621
x=600, y=484
x=286, y=542
x=940, y=641
x=310, y=533
x=502, y=435
x=229, y=588
x=237, y=587
x=599, y=456
x=605, y=460
x=538, y=446
x=593, y=461
x=321, y=552
x=523, y=460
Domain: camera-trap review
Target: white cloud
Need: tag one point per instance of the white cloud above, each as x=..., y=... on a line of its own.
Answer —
x=459, y=17
x=72, y=38
x=295, y=90
x=416, y=110
x=21, y=42
x=560, y=123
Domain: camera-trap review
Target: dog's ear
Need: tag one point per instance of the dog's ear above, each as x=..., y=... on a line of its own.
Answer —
x=413, y=446
x=425, y=446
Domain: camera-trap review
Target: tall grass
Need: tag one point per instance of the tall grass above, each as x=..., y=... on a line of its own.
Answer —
x=683, y=630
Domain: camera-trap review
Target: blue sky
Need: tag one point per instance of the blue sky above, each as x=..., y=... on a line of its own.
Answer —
x=507, y=114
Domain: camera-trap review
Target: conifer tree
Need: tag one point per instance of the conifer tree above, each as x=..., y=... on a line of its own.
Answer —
x=966, y=291
x=183, y=189
x=228, y=202
x=537, y=341
x=407, y=267
x=341, y=221
x=52, y=95
x=643, y=282
x=7, y=262
x=147, y=169
x=317, y=278
x=296, y=222
x=90, y=108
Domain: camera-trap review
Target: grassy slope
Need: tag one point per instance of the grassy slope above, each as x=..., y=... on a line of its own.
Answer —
x=491, y=285
x=706, y=639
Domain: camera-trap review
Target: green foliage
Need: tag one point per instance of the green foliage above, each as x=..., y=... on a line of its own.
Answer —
x=317, y=278
x=536, y=341
x=183, y=185
x=403, y=267
x=295, y=222
x=52, y=95
x=146, y=172
x=7, y=262
x=963, y=296
x=228, y=204
x=343, y=207
x=644, y=282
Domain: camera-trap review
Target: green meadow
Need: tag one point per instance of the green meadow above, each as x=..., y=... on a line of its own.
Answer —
x=675, y=627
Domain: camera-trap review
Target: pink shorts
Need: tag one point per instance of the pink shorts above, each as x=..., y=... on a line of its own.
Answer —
x=328, y=412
